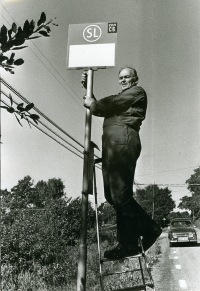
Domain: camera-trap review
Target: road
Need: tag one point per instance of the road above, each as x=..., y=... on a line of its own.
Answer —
x=178, y=268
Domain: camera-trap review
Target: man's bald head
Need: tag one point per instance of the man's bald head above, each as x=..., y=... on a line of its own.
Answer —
x=128, y=77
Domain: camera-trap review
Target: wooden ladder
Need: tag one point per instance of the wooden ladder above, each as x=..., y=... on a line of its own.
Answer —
x=139, y=257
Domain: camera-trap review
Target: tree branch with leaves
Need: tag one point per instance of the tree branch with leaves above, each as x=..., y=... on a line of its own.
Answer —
x=22, y=111
x=15, y=37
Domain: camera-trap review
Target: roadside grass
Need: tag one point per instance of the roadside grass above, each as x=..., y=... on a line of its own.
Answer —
x=37, y=280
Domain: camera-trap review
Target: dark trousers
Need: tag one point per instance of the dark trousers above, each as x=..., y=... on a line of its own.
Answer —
x=121, y=148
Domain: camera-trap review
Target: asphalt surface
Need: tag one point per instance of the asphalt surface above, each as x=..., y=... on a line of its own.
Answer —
x=178, y=267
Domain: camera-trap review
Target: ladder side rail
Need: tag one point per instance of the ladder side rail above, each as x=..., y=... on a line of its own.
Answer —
x=122, y=272
x=142, y=273
x=146, y=263
x=97, y=228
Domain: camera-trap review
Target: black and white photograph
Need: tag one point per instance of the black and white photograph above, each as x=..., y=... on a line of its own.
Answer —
x=99, y=145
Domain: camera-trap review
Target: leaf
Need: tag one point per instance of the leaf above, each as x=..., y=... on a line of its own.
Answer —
x=28, y=122
x=43, y=32
x=18, y=120
x=11, y=100
x=35, y=117
x=19, y=32
x=10, y=109
x=11, y=60
x=14, y=27
x=19, y=62
x=3, y=32
x=6, y=46
x=42, y=19
x=29, y=106
x=26, y=26
x=19, y=48
x=32, y=25
x=47, y=28
x=3, y=58
x=20, y=107
x=10, y=33
x=18, y=41
x=33, y=37
x=9, y=70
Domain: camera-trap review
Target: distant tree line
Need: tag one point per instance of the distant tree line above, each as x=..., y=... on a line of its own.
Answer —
x=192, y=203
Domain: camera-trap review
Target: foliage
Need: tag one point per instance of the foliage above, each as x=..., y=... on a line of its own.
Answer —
x=35, y=280
x=106, y=213
x=40, y=225
x=163, y=201
x=15, y=37
x=192, y=202
x=22, y=111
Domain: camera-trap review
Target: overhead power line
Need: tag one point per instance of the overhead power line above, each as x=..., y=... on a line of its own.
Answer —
x=46, y=126
x=51, y=132
x=172, y=185
x=169, y=171
x=38, y=111
x=48, y=134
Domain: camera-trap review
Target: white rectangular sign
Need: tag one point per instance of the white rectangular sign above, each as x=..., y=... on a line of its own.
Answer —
x=92, y=45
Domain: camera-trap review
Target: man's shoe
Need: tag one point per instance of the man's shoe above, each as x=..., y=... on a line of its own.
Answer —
x=131, y=251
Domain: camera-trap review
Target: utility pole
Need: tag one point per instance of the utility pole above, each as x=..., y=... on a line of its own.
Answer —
x=82, y=260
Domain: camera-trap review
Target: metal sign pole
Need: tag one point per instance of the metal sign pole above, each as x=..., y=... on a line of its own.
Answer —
x=82, y=260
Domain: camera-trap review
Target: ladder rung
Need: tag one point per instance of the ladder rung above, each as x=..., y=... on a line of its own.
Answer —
x=114, y=273
x=97, y=161
x=108, y=260
x=134, y=288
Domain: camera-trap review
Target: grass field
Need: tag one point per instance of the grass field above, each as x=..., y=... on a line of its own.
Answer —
x=35, y=281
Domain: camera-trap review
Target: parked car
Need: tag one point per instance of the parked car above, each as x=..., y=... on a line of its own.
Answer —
x=181, y=230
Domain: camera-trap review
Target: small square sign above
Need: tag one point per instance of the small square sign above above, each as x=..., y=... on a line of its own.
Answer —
x=112, y=27
x=92, y=45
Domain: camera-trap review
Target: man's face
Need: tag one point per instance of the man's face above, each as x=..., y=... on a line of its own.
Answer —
x=126, y=78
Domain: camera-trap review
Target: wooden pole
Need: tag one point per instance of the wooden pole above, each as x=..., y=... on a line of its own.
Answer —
x=82, y=260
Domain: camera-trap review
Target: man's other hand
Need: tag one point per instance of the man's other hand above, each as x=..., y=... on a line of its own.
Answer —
x=84, y=79
x=88, y=101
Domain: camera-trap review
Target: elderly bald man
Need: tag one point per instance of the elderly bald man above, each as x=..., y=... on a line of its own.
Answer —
x=123, y=115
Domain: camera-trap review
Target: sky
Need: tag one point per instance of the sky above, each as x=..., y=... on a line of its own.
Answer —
x=161, y=39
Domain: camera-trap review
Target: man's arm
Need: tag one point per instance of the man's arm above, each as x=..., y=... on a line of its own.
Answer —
x=115, y=103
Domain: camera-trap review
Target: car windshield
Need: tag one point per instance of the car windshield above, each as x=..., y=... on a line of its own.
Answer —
x=181, y=223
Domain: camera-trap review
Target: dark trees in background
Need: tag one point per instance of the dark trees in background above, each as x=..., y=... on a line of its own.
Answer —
x=160, y=197
x=192, y=203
